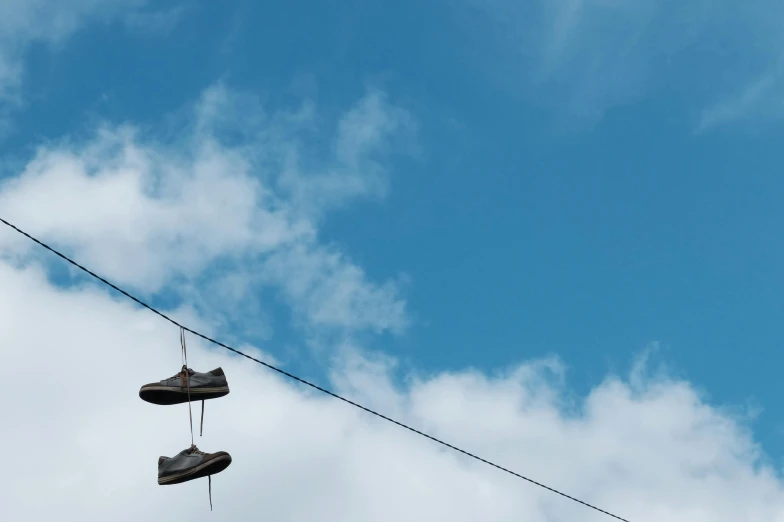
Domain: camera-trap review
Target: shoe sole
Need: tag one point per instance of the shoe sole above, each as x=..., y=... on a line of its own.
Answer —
x=211, y=467
x=166, y=396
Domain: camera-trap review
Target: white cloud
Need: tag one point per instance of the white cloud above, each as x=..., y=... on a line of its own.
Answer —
x=77, y=435
x=583, y=57
x=163, y=216
x=329, y=290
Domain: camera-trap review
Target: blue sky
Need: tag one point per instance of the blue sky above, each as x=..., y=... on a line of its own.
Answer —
x=520, y=237
x=585, y=180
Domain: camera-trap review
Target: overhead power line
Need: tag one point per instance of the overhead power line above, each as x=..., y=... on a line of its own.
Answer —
x=303, y=381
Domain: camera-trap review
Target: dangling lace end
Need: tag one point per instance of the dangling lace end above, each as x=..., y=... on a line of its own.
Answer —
x=209, y=478
x=201, y=428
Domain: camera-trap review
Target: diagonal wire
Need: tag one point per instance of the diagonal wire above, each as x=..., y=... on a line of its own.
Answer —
x=303, y=381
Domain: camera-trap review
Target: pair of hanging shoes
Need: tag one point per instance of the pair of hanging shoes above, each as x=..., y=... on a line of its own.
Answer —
x=187, y=386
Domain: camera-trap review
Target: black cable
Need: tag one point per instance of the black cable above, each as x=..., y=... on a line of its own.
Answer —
x=303, y=381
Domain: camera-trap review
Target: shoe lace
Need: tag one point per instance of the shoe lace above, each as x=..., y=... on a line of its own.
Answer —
x=193, y=450
x=185, y=380
x=184, y=375
x=180, y=374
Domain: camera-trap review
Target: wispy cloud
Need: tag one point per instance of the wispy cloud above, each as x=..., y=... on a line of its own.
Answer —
x=365, y=135
x=160, y=22
x=220, y=204
x=583, y=57
x=44, y=21
x=759, y=98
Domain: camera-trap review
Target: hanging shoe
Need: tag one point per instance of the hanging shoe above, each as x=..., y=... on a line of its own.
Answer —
x=186, y=386
x=190, y=464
